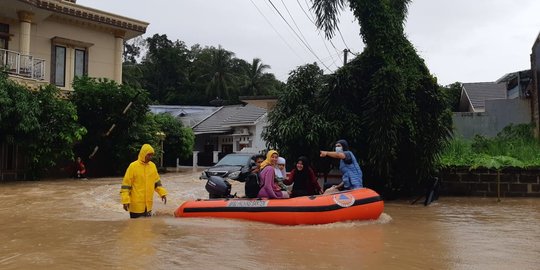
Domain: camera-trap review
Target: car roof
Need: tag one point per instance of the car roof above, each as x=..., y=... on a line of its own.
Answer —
x=242, y=154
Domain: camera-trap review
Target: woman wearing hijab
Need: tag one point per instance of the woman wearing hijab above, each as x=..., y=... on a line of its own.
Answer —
x=304, y=179
x=267, y=177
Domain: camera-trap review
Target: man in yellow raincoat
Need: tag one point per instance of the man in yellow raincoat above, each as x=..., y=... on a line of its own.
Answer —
x=140, y=181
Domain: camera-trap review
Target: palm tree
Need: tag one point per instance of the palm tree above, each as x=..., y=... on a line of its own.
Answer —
x=373, y=16
x=218, y=73
x=257, y=83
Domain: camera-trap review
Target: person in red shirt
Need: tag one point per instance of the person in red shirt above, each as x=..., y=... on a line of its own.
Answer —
x=81, y=169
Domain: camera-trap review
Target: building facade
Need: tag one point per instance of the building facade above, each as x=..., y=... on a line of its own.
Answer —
x=52, y=41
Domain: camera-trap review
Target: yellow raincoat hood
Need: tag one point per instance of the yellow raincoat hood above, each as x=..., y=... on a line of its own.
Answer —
x=145, y=150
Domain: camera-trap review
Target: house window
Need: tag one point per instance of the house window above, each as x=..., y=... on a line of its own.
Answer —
x=60, y=65
x=69, y=59
x=80, y=60
x=4, y=36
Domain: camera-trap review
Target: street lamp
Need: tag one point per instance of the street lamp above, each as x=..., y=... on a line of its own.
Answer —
x=161, y=137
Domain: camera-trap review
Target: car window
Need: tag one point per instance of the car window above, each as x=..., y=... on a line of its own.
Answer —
x=237, y=160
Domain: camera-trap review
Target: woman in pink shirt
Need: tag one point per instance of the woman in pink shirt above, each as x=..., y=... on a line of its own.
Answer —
x=268, y=187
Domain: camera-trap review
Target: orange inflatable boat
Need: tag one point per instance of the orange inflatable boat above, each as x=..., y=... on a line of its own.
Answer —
x=359, y=204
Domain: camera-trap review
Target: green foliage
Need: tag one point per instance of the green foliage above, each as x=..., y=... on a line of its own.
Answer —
x=42, y=125
x=217, y=72
x=57, y=133
x=257, y=82
x=174, y=74
x=165, y=68
x=452, y=95
x=100, y=104
x=389, y=105
x=19, y=113
x=179, y=140
x=515, y=146
x=296, y=125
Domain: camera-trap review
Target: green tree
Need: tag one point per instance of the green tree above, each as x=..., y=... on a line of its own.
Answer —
x=215, y=69
x=296, y=125
x=393, y=108
x=42, y=125
x=165, y=69
x=256, y=80
x=452, y=95
x=179, y=140
x=19, y=113
x=58, y=132
x=133, y=49
x=101, y=104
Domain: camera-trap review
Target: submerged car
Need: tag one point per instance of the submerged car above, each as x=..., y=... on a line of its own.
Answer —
x=235, y=166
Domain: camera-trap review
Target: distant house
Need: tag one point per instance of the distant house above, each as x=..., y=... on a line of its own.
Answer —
x=229, y=129
x=487, y=107
x=266, y=102
x=189, y=115
x=52, y=41
x=474, y=95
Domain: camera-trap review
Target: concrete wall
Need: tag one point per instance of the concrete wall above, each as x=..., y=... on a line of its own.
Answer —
x=514, y=182
x=499, y=114
x=258, y=143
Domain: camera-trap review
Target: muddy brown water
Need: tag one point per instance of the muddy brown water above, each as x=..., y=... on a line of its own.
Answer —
x=75, y=224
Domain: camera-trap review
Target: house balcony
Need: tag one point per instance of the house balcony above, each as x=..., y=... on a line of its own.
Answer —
x=26, y=66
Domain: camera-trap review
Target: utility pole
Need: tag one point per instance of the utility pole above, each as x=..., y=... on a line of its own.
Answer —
x=345, y=51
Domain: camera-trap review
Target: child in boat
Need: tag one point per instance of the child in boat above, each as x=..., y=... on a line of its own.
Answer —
x=303, y=179
x=267, y=175
x=281, y=174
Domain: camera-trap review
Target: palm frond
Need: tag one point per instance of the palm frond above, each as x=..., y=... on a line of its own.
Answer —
x=327, y=13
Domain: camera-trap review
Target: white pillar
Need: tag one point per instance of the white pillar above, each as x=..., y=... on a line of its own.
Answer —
x=195, y=160
x=215, y=156
x=118, y=51
x=235, y=143
x=26, y=25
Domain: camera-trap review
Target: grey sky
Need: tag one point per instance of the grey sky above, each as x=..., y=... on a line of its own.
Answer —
x=460, y=40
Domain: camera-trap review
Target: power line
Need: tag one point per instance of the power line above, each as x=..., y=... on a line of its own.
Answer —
x=319, y=33
x=300, y=31
x=339, y=31
x=342, y=39
x=297, y=28
x=312, y=18
x=316, y=56
x=275, y=30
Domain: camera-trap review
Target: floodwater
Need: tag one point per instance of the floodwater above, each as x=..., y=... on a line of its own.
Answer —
x=74, y=224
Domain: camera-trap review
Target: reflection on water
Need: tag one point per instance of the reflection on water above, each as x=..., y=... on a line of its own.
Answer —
x=68, y=224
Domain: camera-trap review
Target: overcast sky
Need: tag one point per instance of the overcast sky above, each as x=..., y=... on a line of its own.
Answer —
x=460, y=40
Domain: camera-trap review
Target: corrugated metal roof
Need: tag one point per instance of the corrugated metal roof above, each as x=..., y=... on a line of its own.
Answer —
x=226, y=117
x=478, y=93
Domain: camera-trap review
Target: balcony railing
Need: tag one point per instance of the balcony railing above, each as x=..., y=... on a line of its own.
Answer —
x=23, y=65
